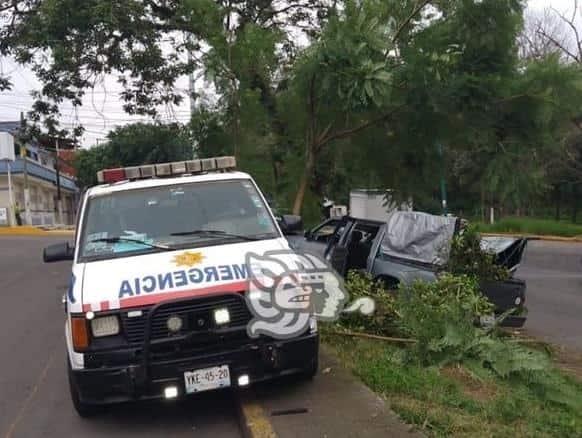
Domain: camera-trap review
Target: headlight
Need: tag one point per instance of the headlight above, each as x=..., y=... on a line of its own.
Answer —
x=174, y=323
x=105, y=326
x=221, y=316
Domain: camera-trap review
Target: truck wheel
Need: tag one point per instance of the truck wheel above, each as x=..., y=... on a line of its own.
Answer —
x=84, y=410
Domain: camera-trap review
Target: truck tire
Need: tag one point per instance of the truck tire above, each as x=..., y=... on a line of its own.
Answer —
x=84, y=410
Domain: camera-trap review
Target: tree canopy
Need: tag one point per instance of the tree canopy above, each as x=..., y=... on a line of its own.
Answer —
x=315, y=97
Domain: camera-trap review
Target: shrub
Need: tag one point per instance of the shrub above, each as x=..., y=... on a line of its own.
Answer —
x=440, y=316
x=381, y=321
x=467, y=258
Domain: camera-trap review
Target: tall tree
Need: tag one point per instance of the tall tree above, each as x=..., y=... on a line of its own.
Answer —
x=344, y=80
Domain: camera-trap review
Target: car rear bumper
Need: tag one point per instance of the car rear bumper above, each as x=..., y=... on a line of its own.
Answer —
x=507, y=295
x=260, y=361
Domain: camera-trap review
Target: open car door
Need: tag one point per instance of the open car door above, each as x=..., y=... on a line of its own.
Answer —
x=336, y=252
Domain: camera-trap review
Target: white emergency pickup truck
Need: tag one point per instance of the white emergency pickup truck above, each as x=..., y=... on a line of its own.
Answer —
x=156, y=305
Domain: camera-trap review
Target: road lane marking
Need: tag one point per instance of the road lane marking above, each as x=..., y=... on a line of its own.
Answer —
x=30, y=397
x=254, y=421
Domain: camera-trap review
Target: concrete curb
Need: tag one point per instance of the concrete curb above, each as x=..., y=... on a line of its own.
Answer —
x=253, y=421
x=27, y=230
x=577, y=239
x=335, y=403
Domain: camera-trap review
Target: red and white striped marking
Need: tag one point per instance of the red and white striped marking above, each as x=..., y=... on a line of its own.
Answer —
x=144, y=300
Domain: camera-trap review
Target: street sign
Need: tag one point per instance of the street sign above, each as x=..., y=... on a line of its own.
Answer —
x=3, y=216
x=6, y=147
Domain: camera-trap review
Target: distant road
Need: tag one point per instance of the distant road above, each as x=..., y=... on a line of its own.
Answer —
x=553, y=272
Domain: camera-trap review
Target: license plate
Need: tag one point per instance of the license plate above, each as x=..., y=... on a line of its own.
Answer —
x=206, y=379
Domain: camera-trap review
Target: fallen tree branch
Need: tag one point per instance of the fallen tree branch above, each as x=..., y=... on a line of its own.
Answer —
x=369, y=336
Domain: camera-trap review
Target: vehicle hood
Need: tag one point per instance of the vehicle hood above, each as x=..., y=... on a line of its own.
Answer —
x=152, y=278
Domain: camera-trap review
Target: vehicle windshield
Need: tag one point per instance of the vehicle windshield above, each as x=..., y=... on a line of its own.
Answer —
x=167, y=217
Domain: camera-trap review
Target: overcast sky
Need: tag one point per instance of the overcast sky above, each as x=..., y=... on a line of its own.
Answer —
x=102, y=110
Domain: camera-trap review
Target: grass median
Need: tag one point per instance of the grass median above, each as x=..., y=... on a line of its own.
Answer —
x=456, y=401
x=424, y=350
x=541, y=227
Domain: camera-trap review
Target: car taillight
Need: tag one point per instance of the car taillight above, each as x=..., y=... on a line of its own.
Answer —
x=79, y=333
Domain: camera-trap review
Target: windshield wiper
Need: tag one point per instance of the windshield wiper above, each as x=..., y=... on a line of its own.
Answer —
x=214, y=233
x=118, y=239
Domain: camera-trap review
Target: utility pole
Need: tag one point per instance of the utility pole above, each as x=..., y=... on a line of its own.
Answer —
x=27, y=215
x=12, y=216
x=58, y=174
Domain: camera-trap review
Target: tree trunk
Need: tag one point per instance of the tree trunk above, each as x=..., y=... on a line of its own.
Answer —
x=304, y=182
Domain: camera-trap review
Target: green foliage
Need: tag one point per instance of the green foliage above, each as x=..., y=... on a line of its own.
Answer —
x=473, y=380
x=523, y=225
x=466, y=257
x=361, y=285
x=133, y=145
x=442, y=317
x=87, y=163
x=142, y=143
x=349, y=61
x=457, y=401
x=361, y=100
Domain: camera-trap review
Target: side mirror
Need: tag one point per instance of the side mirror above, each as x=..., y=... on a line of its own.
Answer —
x=308, y=235
x=58, y=252
x=291, y=224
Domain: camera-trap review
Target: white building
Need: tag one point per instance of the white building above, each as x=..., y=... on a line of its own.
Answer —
x=42, y=184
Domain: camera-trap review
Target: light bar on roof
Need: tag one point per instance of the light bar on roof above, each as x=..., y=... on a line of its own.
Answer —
x=194, y=166
x=148, y=171
x=208, y=164
x=161, y=170
x=132, y=172
x=225, y=163
x=164, y=169
x=178, y=167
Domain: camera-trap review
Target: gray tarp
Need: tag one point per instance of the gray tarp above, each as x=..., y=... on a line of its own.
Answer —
x=418, y=236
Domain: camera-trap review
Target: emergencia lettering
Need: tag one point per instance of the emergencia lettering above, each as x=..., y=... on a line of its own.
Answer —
x=181, y=278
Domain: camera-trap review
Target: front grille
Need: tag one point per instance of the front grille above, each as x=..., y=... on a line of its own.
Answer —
x=196, y=314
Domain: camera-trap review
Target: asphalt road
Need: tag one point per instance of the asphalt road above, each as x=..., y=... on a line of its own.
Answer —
x=553, y=272
x=34, y=398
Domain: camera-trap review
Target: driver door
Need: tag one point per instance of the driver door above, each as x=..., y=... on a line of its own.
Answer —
x=337, y=251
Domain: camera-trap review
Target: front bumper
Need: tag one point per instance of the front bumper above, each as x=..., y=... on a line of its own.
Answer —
x=261, y=360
